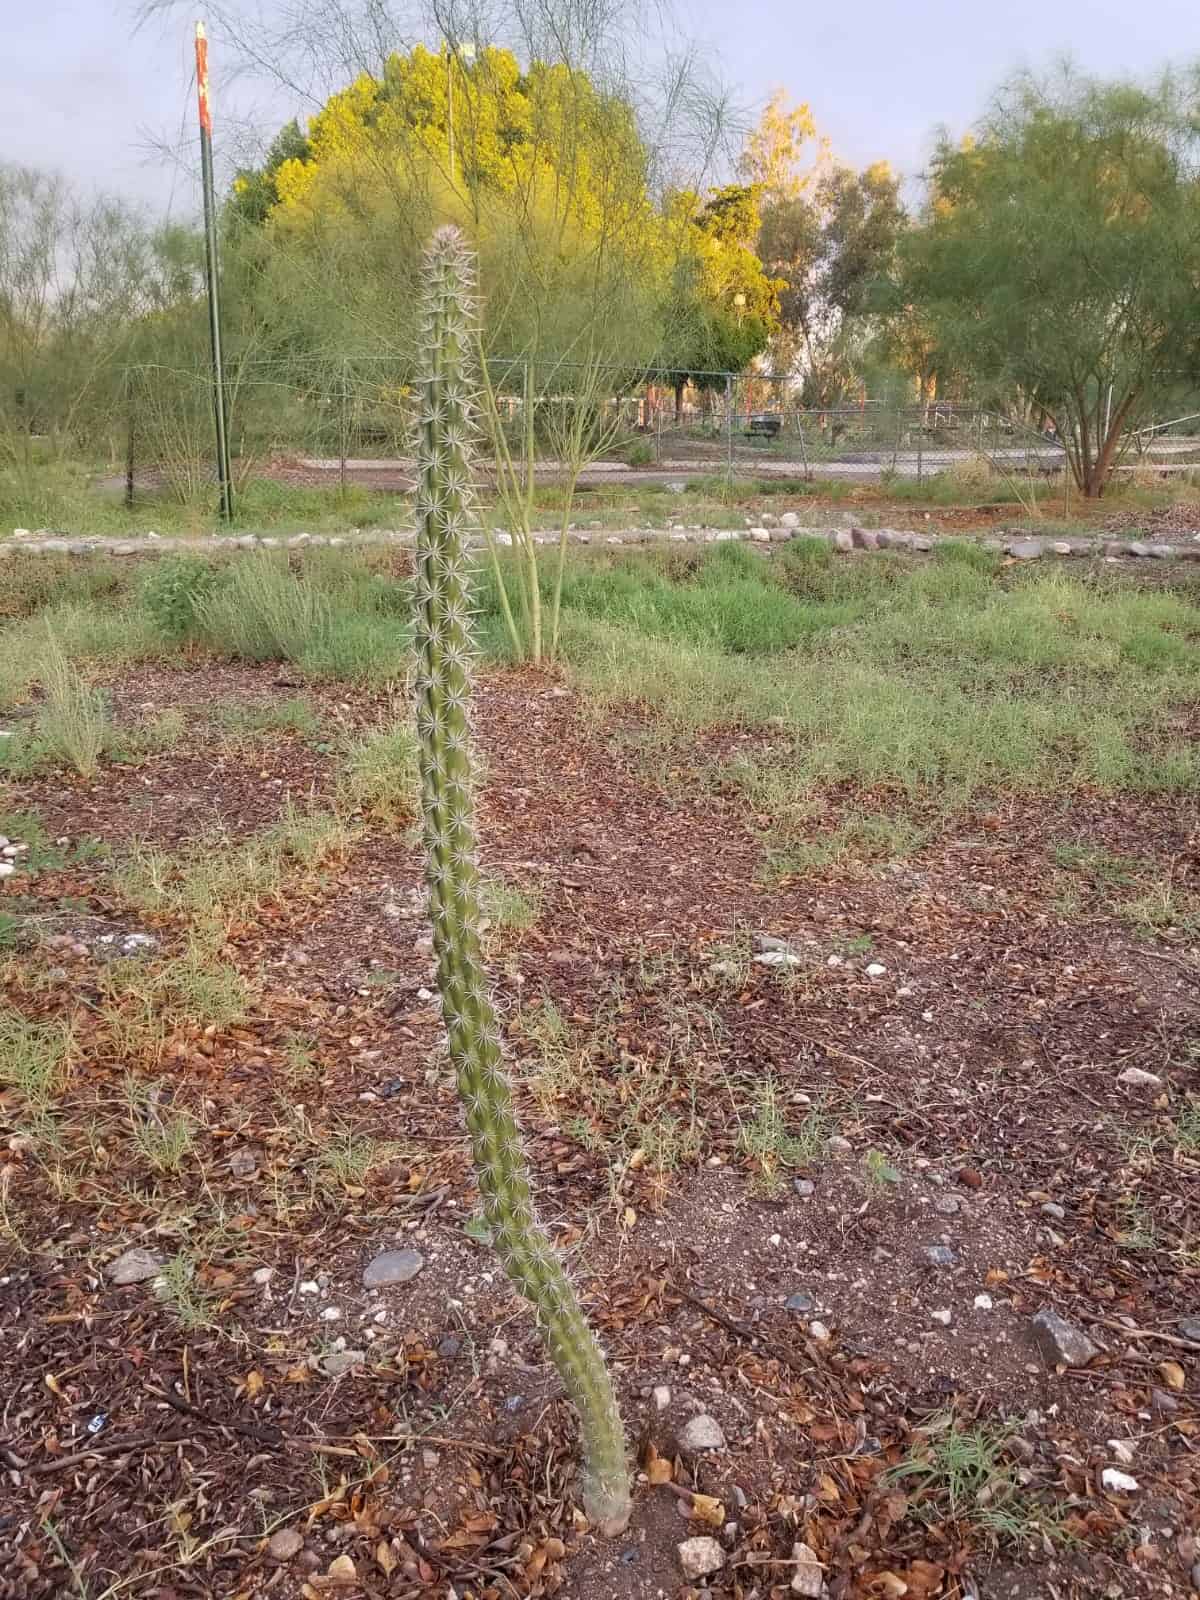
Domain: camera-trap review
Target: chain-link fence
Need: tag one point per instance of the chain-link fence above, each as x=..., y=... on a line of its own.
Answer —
x=346, y=423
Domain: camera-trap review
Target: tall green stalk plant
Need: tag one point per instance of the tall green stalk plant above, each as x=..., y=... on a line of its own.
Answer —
x=443, y=698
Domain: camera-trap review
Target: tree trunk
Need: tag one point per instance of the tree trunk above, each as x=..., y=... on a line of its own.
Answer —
x=680, y=386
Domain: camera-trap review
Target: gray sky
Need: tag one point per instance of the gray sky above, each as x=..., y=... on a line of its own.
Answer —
x=80, y=92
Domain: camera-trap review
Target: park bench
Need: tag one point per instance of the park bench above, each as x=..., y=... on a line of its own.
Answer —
x=764, y=426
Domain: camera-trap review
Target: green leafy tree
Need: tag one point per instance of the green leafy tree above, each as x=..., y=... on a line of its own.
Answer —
x=829, y=248
x=1059, y=256
x=722, y=308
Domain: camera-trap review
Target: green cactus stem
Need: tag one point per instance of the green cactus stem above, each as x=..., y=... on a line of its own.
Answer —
x=443, y=702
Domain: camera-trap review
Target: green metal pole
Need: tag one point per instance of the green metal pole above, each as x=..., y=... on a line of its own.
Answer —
x=212, y=276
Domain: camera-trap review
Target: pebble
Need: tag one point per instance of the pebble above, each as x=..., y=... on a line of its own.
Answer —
x=392, y=1266
x=819, y=1332
x=809, y=1579
x=136, y=1265
x=801, y=1302
x=947, y=1205
x=284, y=1544
x=984, y=1302
x=1189, y=1327
x=804, y=1187
x=839, y=1146
x=778, y=958
x=1123, y=1451
x=1119, y=1482
x=700, y=1557
x=1061, y=1342
x=309, y=1287
x=944, y=1317
x=263, y=1275
x=449, y=1346
x=701, y=1433
x=1051, y=1209
x=876, y=970
x=662, y=1397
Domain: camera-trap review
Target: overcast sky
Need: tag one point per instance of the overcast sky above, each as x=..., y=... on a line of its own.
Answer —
x=81, y=92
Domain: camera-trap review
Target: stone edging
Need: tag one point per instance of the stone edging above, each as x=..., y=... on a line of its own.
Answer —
x=843, y=539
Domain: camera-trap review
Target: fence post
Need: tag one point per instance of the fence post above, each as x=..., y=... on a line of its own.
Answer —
x=343, y=426
x=920, y=453
x=129, y=441
x=729, y=426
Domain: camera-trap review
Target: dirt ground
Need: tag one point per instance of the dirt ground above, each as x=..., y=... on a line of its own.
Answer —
x=950, y=1044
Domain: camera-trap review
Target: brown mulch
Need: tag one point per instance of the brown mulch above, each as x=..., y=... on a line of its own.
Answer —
x=154, y=1444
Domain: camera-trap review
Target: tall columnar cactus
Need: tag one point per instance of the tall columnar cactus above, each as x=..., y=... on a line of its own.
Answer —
x=444, y=653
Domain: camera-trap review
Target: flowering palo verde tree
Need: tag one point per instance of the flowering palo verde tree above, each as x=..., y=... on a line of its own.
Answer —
x=443, y=700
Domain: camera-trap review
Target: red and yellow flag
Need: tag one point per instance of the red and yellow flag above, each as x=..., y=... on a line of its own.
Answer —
x=202, y=78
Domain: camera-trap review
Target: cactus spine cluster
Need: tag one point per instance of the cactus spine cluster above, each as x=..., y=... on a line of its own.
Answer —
x=443, y=698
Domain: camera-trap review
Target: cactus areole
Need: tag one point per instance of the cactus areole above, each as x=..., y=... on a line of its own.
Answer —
x=443, y=703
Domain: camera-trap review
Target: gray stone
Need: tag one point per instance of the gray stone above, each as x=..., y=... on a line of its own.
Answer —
x=760, y=535
x=800, y=1302
x=838, y=1146
x=1061, y=547
x=1160, y=552
x=809, y=1578
x=939, y=1255
x=778, y=959
x=804, y=1187
x=1061, y=1343
x=768, y=941
x=1137, y=548
x=1189, y=1327
x=1114, y=547
x=865, y=538
x=947, y=1205
x=1025, y=549
x=449, y=1346
x=284, y=1544
x=136, y=1265
x=922, y=542
x=700, y=1557
x=392, y=1266
x=843, y=539
x=789, y=519
x=701, y=1433
x=1053, y=1210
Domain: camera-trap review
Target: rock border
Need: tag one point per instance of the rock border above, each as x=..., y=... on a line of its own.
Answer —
x=844, y=539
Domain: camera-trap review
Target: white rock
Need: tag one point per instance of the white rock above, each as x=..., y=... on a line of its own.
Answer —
x=700, y=1557
x=809, y=1579
x=944, y=1317
x=876, y=970
x=1123, y=1450
x=342, y=1361
x=778, y=958
x=701, y=1433
x=1118, y=1482
x=789, y=519
x=760, y=535
x=501, y=537
x=662, y=1397
x=983, y=1302
x=6, y=869
x=263, y=1275
x=819, y=1332
x=309, y=1287
x=331, y=1314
